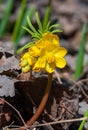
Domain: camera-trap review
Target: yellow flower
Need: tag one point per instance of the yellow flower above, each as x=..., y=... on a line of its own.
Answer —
x=50, y=60
x=26, y=62
x=52, y=55
x=45, y=54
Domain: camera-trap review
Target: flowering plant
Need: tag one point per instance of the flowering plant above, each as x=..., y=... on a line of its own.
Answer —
x=44, y=53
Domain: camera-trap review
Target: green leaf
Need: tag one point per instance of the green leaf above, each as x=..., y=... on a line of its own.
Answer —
x=28, y=30
x=48, y=25
x=56, y=31
x=40, y=33
x=47, y=28
x=80, y=59
x=54, y=26
x=39, y=22
x=36, y=37
x=30, y=25
x=25, y=47
x=83, y=122
x=46, y=18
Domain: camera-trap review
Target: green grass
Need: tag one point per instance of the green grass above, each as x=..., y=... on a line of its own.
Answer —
x=80, y=58
x=83, y=122
x=18, y=21
x=6, y=15
x=20, y=30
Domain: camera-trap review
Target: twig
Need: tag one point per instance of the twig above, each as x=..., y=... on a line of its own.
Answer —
x=81, y=88
x=53, y=123
x=78, y=85
x=84, y=93
x=62, y=121
x=15, y=110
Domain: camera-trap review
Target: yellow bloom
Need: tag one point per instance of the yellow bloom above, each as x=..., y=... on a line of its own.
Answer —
x=26, y=62
x=45, y=54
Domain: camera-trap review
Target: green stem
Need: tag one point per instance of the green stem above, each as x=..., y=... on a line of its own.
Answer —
x=42, y=103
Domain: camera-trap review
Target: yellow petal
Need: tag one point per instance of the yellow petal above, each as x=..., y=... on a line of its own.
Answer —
x=50, y=57
x=40, y=64
x=31, y=60
x=56, y=40
x=36, y=67
x=52, y=38
x=60, y=52
x=34, y=51
x=25, y=56
x=50, y=67
x=60, y=62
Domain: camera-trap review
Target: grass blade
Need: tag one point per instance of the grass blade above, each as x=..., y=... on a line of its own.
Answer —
x=79, y=65
x=83, y=122
x=18, y=22
x=5, y=17
x=29, y=12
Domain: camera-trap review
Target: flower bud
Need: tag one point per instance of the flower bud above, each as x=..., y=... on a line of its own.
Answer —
x=26, y=69
x=24, y=62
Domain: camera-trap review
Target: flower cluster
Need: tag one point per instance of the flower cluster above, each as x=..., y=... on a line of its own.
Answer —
x=46, y=54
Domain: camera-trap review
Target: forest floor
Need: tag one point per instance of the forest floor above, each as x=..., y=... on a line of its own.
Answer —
x=22, y=93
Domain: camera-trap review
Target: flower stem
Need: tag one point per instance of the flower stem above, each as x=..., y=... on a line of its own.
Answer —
x=42, y=103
